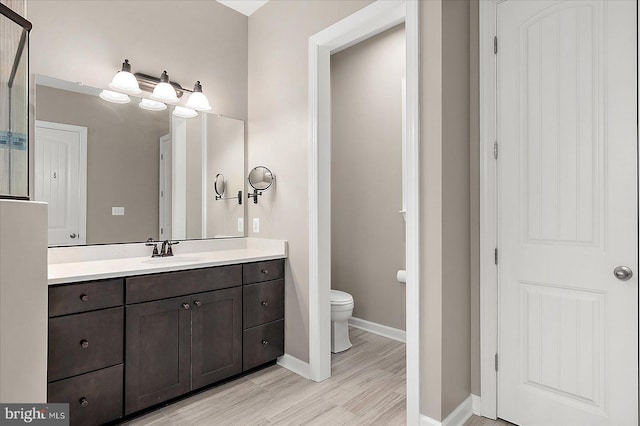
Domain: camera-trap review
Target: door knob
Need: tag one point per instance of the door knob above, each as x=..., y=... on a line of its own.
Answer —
x=623, y=273
x=72, y=235
x=186, y=305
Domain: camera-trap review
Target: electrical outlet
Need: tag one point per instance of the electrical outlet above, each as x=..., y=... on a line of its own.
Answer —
x=117, y=211
x=241, y=224
x=256, y=224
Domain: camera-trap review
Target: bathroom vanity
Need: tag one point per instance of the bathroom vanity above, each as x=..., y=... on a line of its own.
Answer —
x=126, y=343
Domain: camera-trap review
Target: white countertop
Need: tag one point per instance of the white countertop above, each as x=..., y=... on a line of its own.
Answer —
x=192, y=256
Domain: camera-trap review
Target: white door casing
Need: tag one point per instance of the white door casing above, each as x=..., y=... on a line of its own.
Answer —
x=61, y=180
x=164, y=194
x=567, y=212
x=365, y=23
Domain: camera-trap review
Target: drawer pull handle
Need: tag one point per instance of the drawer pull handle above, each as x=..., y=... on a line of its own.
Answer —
x=83, y=402
x=265, y=342
x=84, y=343
x=264, y=303
x=186, y=305
x=265, y=271
x=84, y=297
x=197, y=303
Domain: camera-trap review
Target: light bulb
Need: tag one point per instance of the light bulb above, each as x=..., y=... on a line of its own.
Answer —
x=163, y=91
x=183, y=112
x=150, y=105
x=114, y=97
x=124, y=81
x=197, y=100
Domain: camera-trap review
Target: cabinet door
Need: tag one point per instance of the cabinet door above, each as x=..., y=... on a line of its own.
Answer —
x=157, y=355
x=217, y=335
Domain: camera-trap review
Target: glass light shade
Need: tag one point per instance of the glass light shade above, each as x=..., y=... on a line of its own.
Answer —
x=198, y=101
x=183, y=112
x=124, y=81
x=114, y=97
x=164, y=92
x=150, y=105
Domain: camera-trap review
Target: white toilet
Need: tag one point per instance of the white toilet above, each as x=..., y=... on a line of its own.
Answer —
x=341, y=310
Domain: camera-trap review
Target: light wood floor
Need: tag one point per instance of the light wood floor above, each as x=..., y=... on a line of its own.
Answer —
x=367, y=387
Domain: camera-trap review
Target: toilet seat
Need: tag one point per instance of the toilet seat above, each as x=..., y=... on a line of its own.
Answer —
x=339, y=298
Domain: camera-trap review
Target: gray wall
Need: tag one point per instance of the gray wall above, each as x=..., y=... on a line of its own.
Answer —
x=278, y=131
x=278, y=137
x=367, y=230
x=122, y=161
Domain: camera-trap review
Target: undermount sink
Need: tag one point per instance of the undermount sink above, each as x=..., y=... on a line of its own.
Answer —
x=171, y=259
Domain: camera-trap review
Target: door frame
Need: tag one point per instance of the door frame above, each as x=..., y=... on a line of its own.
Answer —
x=489, y=197
x=363, y=24
x=488, y=209
x=82, y=172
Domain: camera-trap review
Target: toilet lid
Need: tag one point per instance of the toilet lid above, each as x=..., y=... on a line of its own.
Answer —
x=340, y=298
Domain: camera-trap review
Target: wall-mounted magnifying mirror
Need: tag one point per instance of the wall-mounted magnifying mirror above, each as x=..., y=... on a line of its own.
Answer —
x=219, y=186
x=260, y=179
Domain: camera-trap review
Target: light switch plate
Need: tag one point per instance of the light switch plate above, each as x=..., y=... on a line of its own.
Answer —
x=256, y=224
x=241, y=224
x=117, y=211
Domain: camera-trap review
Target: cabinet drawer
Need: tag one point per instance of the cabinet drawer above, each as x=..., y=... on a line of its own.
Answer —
x=82, y=297
x=262, y=344
x=85, y=342
x=262, y=303
x=263, y=271
x=171, y=284
x=93, y=398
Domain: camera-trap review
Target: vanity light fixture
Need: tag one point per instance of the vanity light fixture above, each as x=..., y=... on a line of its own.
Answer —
x=151, y=105
x=114, y=97
x=183, y=112
x=164, y=92
x=124, y=81
x=197, y=100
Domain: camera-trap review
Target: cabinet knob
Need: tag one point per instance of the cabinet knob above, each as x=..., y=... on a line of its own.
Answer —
x=186, y=305
x=265, y=271
x=264, y=303
x=83, y=402
x=197, y=303
x=84, y=343
x=84, y=297
x=265, y=342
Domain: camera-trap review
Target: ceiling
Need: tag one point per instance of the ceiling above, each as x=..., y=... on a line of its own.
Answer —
x=246, y=7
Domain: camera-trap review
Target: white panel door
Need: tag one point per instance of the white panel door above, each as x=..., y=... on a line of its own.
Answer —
x=60, y=180
x=567, y=185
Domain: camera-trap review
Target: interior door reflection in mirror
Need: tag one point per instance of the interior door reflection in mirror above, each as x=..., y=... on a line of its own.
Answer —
x=115, y=173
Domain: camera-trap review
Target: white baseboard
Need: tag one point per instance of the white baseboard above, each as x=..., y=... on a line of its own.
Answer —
x=379, y=329
x=295, y=365
x=458, y=417
x=476, y=402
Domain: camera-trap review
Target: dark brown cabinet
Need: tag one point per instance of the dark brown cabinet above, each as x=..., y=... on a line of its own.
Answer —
x=183, y=343
x=118, y=346
x=216, y=336
x=157, y=352
x=85, y=355
x=263, y=312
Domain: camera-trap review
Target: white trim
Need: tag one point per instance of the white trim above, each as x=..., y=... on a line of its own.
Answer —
x=379, y=329
x=488, y=211
x=205, y=174
x=294, y=365
x=458, y=417
x=82, y=173
x=476, y=403
x=365, y=23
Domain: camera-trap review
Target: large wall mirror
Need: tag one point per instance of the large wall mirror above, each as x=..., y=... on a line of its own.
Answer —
x=115, y=173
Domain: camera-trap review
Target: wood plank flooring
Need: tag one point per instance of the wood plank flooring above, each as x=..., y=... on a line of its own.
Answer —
x=367, y=387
